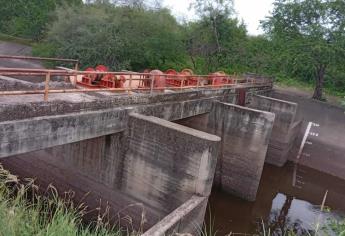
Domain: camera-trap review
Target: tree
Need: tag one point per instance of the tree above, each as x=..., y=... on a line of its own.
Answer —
x=213, y=12
x=29, y=19
x=120, y=37
x=310, y=35
x=216, y=41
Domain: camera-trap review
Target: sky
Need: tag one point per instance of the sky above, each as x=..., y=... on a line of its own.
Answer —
x=250, y=11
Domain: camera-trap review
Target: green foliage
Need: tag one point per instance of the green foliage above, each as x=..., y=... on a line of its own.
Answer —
x=305, y=40
x=28, y=18
x=24, y=212
x=310, y=35
x=119, y=37
x=217, y=40
x=336, y=227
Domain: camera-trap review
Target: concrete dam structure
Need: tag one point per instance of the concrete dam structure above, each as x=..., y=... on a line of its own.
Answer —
x=135, y=154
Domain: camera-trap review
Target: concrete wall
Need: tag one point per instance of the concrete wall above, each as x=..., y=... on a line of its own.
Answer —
x=285, y=128
x=165, y=163
x=245, y=135
x=144, y=172
x=326, y=153
x=185, y=219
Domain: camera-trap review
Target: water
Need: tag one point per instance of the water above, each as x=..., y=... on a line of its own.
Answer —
x=288, y=197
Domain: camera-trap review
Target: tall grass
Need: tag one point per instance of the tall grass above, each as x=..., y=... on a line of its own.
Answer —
x=24, y=212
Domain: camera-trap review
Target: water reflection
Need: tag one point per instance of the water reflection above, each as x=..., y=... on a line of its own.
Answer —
x=288, y=197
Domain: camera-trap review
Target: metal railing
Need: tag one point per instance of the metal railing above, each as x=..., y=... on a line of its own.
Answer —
x=141, y=79
x=28, y=58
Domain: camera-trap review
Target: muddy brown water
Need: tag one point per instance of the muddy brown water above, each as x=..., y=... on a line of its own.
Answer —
x=288, y=197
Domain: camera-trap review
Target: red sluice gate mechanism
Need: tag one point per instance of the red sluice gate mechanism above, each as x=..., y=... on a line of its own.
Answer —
x=102, y=80
x=152, y=79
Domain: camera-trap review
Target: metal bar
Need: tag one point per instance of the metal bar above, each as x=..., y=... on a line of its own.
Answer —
x=76, y=68
x=46, y=87
x=72, y=72
x=182, y=83
x=152, y=83
x=130, y=84
x=37, y=58
x=101, y=90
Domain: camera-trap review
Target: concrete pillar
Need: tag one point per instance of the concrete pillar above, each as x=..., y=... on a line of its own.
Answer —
x=245, y=136
x=165, y=164
x=285, y=128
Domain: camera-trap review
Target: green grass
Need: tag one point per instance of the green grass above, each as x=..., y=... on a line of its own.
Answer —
x=330, y=93
x=291, y=82
x=24, y=212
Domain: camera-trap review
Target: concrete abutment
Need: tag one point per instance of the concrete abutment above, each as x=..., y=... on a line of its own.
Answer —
x=143, y=160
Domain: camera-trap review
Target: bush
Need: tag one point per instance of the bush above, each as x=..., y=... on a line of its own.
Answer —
x=119, y=37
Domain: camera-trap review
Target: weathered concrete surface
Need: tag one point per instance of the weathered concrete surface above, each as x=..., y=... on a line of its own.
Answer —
x=326, y=153
x=33, y=134
x=89, y=189
x=29, y=106
x=245, y=135
x=144, y=172
x=140, y=161
x=285, y=129
x=184, y=219
x=167, y=163
x=58, y=126
x=21, y=136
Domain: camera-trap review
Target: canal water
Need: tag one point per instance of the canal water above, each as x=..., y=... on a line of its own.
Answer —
x=288, y=198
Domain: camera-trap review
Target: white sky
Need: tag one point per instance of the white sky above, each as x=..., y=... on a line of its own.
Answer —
x=251, y=11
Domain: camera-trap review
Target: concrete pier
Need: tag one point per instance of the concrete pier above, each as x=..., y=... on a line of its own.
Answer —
x=285, y=128
x=245, y=136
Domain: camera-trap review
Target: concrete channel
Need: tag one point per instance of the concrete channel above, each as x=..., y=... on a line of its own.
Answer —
x=135, y=154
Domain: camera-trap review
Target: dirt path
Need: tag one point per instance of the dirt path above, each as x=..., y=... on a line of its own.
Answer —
x=333, y=100
x=21, y=82
x=7, y=48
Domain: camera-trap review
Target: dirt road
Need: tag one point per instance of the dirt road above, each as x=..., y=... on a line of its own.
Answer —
x=7, y=48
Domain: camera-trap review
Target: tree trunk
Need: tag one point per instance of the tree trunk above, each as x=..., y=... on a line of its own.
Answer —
x=215, y=32
x=193, y=61
x=320, y=78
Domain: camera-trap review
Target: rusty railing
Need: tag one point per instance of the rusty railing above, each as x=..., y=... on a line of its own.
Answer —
x=232, y=81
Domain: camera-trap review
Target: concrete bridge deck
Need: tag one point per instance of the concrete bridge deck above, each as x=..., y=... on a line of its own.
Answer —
x=128, y=148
